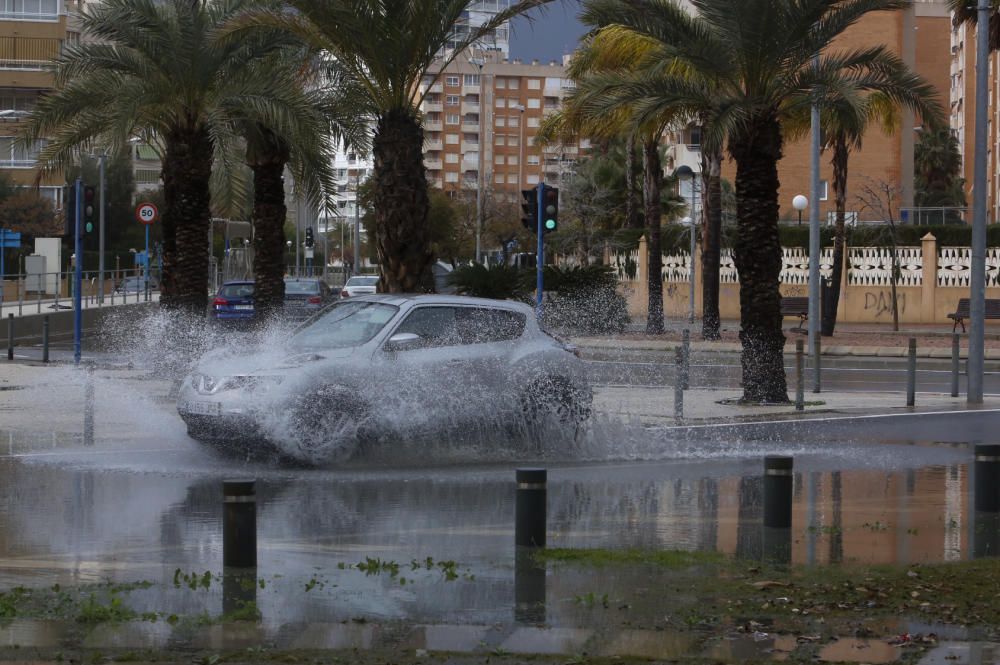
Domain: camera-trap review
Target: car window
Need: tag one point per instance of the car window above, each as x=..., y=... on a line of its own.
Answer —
x=482, y=325
x=363, y=281
x=296, y=286
x=236, y=291
x=435, y=325
x=343, y=325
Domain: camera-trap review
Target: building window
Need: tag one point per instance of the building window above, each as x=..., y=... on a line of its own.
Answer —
x=501, y=140
x=533, y=122
x=17, y=157
x=532, y=179
x=553, y=82
x=513, y=84
x=512, y=178
x=147, y=176
x=471, y=157
x=824, y=190
x=452, y=118
x=451, y=176
x=513, y=140
x=501, y=83
x=534, y=103
x=498, y=179
x=451, y=80
x=514, y=121
x=471, y=79
x=498, y=159
x=501, y=121
x=512, y=160
x=451, y=158
x=534, y=84
x=37, y=10
x=451, y=139
x=501, y=102
x=532, y=160
x=451, y=100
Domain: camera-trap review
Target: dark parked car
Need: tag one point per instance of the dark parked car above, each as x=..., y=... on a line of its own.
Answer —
x=234, y=303
x=136, y=284
x=304, y=296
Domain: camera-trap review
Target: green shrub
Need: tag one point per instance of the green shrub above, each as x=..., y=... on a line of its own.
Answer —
x=499, y=282
x=584, y=299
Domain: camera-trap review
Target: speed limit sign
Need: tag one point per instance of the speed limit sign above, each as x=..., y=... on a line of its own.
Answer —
x=147, y=213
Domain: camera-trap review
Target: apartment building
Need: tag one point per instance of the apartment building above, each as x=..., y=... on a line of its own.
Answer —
x=32, y=34
x=920, y=35
x=481, y=116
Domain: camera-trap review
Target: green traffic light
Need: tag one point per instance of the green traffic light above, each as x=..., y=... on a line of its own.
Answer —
x=89, y=227
x=550, y=224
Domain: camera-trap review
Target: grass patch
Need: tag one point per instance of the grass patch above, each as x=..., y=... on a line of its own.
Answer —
x=605, y=557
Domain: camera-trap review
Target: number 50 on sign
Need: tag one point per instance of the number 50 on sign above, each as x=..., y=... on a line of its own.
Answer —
x=147, y=213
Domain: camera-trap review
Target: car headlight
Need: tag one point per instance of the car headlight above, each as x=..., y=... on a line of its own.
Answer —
x=209, y=385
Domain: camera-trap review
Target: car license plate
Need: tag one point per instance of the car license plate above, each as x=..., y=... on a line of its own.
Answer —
x=202, y=408
x=242, y=306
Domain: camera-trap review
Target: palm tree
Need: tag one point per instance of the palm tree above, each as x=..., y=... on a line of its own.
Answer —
x=156, y=71
x=387, y=49
x=752, y=61
x=845, y=117
x=937, y=165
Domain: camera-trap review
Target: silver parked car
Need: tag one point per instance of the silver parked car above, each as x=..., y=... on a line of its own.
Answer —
x=381, y=364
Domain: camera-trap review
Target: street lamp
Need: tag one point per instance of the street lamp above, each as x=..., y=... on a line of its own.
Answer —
x=800, y=203
x=479, y=62
x=684, y=173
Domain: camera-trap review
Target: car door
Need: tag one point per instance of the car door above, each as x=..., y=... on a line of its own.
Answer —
x=433, y=379
x=489, y=337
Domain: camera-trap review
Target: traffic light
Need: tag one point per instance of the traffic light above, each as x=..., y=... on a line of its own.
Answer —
x=309, y=236
x=529, y=206
x=550, y=216
x=88, y=216
x=69, y=208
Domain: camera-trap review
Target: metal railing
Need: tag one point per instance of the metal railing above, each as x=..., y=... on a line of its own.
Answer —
x=935, y=216
x=29, y=52
x=38, y=292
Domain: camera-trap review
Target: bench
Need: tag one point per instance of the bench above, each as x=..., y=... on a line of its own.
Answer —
x=962, y=312
x=796, y=306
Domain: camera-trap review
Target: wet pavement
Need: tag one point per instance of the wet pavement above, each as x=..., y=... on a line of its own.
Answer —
x=126, y=496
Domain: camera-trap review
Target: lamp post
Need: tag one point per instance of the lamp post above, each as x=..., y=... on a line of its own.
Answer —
x=800, y=203
x=684, y=173
x=479, y=180
x=977, y=281
x=288, y=244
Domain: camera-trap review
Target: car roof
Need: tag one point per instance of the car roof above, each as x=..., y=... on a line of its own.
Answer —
x=238, y=281
x=435, y=299
x=302, y=279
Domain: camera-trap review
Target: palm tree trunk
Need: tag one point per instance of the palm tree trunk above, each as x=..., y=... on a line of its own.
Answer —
x=757, y=255
x=652, y=181
x=401, y=204
x=711, y=247
x=633, y=192
x=841, y=153
x=187, y=166
x=267, y=160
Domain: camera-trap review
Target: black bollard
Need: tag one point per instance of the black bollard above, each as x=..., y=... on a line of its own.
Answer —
x=679, y=384
x=777, y=492
x=239, y=524
x=954, y=365
x=987, y=478
x=10, y=337
x=800, y=381
x=45, y=338
x=529, y=587
x=911, y=372
x=530, y=507
x=239, y=592
x=88, y=409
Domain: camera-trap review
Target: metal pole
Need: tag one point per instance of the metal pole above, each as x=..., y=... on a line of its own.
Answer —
x=530, y=507
x=357, y=222
x=45, y=338
x=817, y=356
x=540, y=251
x=146, y=270
x=686, y=347
x=10, y=337
x=691, y=269
x=977, y=281
x=88, y=408
x=481, y=181
x=911, y=372
x=955, y=353
x=100, y=232
x=678, y=384
x=800, y=399
x=814, y=249
x=77, y=277
x=239, y=524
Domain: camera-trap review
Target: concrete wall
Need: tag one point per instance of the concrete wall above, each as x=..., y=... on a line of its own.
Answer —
x=28, y=328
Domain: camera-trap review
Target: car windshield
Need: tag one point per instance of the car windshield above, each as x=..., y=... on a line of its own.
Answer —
x=236, y=291
x=343, y=325
x=363, y=281
x=295, y=286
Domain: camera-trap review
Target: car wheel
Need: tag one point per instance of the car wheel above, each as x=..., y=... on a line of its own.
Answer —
x=555, y=397
x=327, y=426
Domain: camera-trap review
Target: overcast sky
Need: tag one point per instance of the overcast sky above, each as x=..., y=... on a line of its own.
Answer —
x=553, y=32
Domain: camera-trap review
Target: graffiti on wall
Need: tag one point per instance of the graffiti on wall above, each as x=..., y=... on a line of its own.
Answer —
x=879, y=303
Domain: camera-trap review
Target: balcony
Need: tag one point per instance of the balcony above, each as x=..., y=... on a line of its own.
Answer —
x=437, y=87
x=433, y=144
x=433, y=126
x=433, y=164
x=468, y=146
x=470, y=107
x=433, y=107
x=29, y=53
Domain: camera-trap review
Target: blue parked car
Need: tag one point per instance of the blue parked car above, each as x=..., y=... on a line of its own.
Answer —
x=234, y=303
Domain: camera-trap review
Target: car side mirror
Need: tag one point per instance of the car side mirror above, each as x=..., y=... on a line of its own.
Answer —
x=403, y=342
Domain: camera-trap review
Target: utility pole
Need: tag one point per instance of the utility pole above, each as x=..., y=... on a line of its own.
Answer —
x=977, y=281
x=357, y=221
x=100, y=231
x=814, y=249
